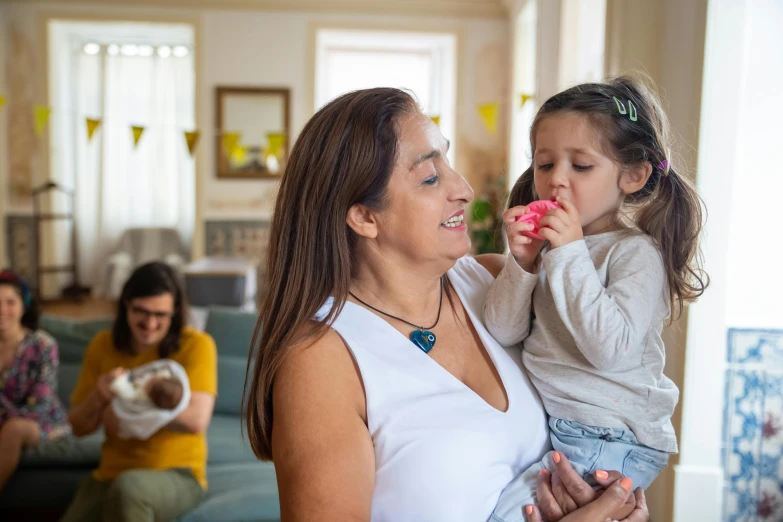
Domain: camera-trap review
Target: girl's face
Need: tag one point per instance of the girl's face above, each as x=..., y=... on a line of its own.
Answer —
x=568, y=162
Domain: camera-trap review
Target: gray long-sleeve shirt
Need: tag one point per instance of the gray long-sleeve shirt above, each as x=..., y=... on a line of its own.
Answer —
x=592, y=333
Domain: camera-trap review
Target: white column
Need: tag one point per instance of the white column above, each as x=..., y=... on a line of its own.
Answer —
x=699, y=477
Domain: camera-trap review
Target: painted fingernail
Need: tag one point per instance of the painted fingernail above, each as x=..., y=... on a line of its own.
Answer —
x=556, y=457
x=626, y=483
x=601, y=474
x=542, y=472
x=529, y=510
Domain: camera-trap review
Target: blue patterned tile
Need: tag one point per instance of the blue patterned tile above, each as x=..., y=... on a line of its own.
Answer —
x=753, y=427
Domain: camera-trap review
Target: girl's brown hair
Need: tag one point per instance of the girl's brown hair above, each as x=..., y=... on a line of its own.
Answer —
x=344, y=156
x=667, y=208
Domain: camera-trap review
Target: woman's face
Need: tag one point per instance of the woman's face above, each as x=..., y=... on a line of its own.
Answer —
x=11, y=308
x=423, y=219
x=150, y=319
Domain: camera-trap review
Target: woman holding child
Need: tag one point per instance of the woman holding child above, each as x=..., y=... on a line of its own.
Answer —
x=163, y=476
x=376, y=388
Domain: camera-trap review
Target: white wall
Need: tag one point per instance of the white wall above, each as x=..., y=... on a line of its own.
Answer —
x=256, y=48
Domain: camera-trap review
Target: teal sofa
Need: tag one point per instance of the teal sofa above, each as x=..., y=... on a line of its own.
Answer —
x=241, y=488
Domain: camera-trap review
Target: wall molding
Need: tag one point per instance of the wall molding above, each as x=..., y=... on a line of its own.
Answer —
x=462, y=8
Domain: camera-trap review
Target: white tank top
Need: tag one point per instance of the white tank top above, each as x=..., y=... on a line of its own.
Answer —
x=442, y=453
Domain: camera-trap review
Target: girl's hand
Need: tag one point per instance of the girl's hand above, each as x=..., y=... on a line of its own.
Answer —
x=561, y=226
x=524, y=249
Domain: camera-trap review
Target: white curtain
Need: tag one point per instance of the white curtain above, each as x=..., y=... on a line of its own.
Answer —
x=118, y=186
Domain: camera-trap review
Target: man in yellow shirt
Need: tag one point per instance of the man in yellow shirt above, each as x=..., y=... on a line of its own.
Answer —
x=164, y=476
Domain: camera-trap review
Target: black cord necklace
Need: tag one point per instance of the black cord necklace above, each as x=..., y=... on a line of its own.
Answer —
x=421, y=336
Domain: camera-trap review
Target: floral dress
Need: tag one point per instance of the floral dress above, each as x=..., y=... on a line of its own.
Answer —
x=28, y=388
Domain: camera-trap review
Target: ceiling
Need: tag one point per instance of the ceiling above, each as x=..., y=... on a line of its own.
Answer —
x=463, y=8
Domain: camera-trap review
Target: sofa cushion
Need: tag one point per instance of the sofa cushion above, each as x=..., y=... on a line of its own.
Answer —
x=72, y=336
x=69, y=452
x=238, y=493
x=232, y=330
x=226, y=441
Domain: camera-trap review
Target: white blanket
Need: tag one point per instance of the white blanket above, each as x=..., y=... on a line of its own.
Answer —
x=138, y=417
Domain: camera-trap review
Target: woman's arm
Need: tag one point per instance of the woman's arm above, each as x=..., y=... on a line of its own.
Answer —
x=322, y=450
x=492, y=262
x=86, y=416
x=196, y=416
x=201, y=367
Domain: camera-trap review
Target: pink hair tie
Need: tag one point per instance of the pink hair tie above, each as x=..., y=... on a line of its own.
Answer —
x=662, y=165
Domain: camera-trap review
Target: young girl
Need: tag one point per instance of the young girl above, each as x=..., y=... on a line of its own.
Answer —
x=616, y=259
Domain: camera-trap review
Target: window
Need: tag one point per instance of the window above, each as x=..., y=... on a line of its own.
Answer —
x=423, y=63
x=124, y=74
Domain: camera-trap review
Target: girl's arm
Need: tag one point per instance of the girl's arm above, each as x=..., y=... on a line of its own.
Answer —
x=609, y=324
x=508, y=306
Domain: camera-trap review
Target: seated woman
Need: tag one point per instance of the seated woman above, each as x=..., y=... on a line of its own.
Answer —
x=30, y=411
x=162, y=477
x=376, y=389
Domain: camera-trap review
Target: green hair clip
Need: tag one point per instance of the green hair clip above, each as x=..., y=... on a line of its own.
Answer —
x=631, y=111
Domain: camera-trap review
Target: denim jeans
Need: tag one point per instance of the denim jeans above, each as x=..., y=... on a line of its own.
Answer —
x=588, y=448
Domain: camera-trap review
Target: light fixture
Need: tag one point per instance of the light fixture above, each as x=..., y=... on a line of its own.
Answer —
x=92, y=48
x=164, y=51
x=145, y=50
x=113, y=49
x=129, y=50
x=180, y=51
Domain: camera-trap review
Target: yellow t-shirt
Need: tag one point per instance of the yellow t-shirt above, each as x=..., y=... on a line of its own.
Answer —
x=165, y=449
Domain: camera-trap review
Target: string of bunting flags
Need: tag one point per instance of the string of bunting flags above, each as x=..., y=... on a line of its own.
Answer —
x=489, y=113
x=232, y=141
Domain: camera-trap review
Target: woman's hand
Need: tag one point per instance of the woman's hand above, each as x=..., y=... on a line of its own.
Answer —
x=104, y=382
x=602, y=509
x=524, y=249
x=565, y=491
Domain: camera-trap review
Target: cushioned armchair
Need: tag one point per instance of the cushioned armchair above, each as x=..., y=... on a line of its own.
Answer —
x=136, y=247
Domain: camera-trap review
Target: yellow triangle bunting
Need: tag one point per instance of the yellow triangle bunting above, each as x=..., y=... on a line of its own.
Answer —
x=523, y=98
x=435, y=120
x=276, y=144
x=230, y=142
x=2, y=101
x=489, y=115
x=92, y=126
x=138, y=130
x=191, y=138
x=238, y=155
x=41, y=115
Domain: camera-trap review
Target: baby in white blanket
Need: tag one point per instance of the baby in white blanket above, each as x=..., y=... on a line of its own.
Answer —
x=149, y=397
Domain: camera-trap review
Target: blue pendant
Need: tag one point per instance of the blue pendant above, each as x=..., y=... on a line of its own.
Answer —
x=423, y=339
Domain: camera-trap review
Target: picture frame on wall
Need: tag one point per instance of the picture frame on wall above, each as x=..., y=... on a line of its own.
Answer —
x=253, y=125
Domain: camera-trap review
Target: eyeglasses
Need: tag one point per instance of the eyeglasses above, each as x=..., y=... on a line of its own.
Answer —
x=146, y=314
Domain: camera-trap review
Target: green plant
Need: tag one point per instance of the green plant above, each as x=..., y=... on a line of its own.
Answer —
x=486, y=226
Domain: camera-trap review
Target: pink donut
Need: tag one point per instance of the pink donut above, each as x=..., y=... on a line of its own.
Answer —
x=537, y=210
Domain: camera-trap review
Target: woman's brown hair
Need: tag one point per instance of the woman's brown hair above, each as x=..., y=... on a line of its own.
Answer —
x=344, y=156
x=151, y=279
x=635, y=130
